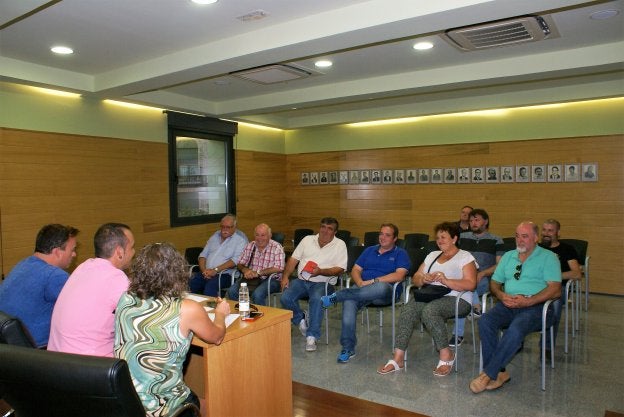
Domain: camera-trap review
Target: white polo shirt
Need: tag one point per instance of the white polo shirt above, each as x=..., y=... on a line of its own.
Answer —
x=331, y=255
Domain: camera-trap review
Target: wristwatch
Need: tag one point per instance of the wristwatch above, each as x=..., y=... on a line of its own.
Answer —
x=258, y=272
x=375, y=280
x=216, y=269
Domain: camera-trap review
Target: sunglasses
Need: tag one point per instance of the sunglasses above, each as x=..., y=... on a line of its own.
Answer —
x=518, y=271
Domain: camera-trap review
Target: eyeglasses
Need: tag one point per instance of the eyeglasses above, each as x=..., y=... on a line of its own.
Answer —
x=518, y=271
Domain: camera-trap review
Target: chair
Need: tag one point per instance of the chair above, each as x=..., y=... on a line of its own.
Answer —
x=300, y=234
x=192, y=258
x=509, y=243
x=38, y=382
x=431, y=246
x=278, y=237
x=371, y=238
x=353, y=253
x=415, y=240
x=353, y=241
x=344, y=235
x=581, y=250
x=13, y=332
x=543, y=331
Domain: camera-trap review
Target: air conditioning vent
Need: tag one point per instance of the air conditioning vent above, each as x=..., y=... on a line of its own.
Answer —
x=271, y=74
x=501, y=33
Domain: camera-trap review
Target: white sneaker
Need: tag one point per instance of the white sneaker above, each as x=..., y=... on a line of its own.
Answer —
x=310, y=344
x=303, y=324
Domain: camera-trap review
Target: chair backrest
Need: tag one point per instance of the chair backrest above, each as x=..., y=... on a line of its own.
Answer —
x=192, y=256
x=371, y=238
x=38, y=382
x=300, y=234
x=354, y=241
x=278, y=237
x=580, y=246
x=417, y=256
x=415, y=240
x=509, y=243
x=431, y=246
x=13, y=332
x=353, y=253
x=344, y=235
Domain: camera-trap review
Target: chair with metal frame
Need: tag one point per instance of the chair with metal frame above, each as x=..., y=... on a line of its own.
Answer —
x=415, y=240
x=581, y=250
x=371, y=238
x=300, y=234
x=191, y=255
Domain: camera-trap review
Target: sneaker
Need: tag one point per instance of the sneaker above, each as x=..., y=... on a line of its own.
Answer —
x=345, y=355
x=328, y=300
x=303, y=324
x=310, y=344
x=452, y=342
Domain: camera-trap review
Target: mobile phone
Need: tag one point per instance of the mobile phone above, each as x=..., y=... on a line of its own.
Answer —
x=253, y=315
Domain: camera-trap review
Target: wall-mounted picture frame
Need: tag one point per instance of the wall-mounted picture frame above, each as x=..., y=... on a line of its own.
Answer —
x=354, y=177
x=323, y=178
x=343, y=177
x=375, y=176
x=365, y=176
x=463, y=175
x=399, y=176
x=507, y=173
x=590, y=172
x=411, y=174
x=522, y=173
x=305, y=178
x=572, y=173
x=554, y=173
x=436, y=175
x=450, y=176
x=492, y=174
x=387, y=176
x=423, y=176
x=477, y=175
x=538, y=173
x=333, y=177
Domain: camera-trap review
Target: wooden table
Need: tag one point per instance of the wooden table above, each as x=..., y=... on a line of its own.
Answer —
x=257, y=350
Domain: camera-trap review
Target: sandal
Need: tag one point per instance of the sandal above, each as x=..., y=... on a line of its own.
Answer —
x=395, y=367
x=444, y=367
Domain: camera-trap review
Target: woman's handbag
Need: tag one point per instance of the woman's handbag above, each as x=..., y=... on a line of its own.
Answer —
x=430, y=292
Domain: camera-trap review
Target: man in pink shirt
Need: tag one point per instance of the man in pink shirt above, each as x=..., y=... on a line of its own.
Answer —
x=84, y=315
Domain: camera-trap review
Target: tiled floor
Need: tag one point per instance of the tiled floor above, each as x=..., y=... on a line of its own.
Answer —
x=585, y=382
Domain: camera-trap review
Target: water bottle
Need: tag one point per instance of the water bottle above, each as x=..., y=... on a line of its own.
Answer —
x=243, y=301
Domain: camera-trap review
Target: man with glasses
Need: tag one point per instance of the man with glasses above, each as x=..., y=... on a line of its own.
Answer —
x=531, y=275
x=319, y=260
x=221, y=253
x=373, y=275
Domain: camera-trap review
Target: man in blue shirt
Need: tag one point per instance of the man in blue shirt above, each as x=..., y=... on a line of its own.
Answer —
x=30, y=290
x=373, y=274
x=531, y=275
x=221, y=253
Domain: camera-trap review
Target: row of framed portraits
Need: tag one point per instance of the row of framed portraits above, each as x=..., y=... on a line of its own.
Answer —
x=463, y=175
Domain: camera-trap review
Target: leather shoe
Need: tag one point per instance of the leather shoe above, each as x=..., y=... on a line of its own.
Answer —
x=479, y=384
x=501, y=379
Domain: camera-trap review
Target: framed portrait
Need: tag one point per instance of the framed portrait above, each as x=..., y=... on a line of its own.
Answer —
x=436, y=175
x=364, y=176
x=423, y=175
x=571, y=173
x=375, y=176
x=492, y=174
x=450, y=176
x=354, y=177
x=538, y=173
x=324, y=177
x=411, y=176
x=399, y=176
x=507, y=173
x=590, y=172
x=477, y=175
x=305, y=178
x=463, y=175
x=387, y=176
x=522, y=173
x=343, y=177
x=333, y=177
x=554, y=173
x=314, y=178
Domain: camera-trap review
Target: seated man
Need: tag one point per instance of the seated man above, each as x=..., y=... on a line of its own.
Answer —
x=30, y=290
x=531, y=276
x=261, y=259
x=319, y=259
x=83, y=320
x=570, y=267
x=373, y=274
x=221, y=253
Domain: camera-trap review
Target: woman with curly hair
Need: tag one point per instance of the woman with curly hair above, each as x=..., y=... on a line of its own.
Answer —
x=154, y=326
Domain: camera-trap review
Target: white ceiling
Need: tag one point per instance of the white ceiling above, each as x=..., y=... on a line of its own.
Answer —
x=178, y=55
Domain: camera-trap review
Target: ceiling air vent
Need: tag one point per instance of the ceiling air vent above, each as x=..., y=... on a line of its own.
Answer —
x=272, y=74
x=501, y=33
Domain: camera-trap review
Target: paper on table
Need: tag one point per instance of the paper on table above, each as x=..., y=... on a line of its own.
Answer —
x=194, y=297
x=229, y=319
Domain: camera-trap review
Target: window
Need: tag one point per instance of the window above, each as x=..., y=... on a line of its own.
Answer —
x=201, y=169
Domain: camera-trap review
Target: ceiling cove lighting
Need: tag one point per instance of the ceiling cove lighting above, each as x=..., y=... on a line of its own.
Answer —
x=422, y=46
x=203, y=2
x=62, y=50
x=255, y=126
x=56, y=92
x=131, y=105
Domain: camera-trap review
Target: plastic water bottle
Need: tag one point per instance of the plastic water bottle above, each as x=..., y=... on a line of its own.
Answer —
x=243, y=301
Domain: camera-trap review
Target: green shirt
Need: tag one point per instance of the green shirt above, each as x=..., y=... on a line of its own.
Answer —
x=539, y=268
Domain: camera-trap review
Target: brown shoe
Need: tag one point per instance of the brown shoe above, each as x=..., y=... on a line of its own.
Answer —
x=501, y=379
x=478, y=384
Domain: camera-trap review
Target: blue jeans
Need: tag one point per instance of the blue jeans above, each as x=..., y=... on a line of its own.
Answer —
x=353, y=299
x=517, y=322
x=259, y=295
x=200, y=285
x=482, y=287
x=298, y=289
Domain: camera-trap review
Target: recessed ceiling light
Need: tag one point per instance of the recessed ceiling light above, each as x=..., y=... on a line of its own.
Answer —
x=204, y=1
x=62, y=50
x=323, y=63
x=422, y=46
x=604, y=14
